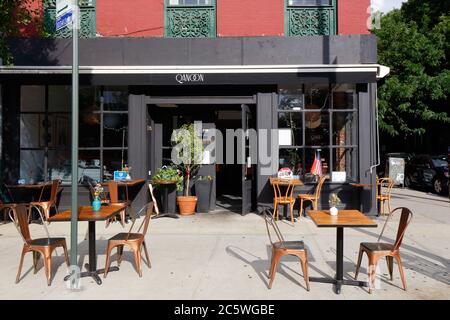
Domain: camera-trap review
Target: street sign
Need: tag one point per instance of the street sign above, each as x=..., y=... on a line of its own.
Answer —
x=64, y=13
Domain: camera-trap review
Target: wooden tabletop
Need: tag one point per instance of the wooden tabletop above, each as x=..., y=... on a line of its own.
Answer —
x=129, y=183
x=345, y=218
x=360, y=185
x=28, y=186
x=85, y=213
x=285, y=182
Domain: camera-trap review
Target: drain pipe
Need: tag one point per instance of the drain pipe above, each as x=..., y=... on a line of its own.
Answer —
x=377, y=132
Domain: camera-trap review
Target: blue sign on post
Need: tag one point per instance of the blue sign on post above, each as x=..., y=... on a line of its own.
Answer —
x=64, y=13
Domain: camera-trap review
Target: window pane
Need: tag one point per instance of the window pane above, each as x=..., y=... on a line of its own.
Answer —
x=345, y=160
x=290, y=102
x=115, y=98
x=344, y=96
x=59, y=98
x=32, y=98
x=88, y=165
x=89, y=99
x=292, y=159
x=317, y=130
x=112, y=161
x=309, y=160
x=31, y=131
x=60, y=133
x=59, y=165
x=32, y=165
x=115, y=129
x=293, y=121
x=343, y=129
x=189, y=2
x=310, y=2
x=317, y=96
x=89, y=130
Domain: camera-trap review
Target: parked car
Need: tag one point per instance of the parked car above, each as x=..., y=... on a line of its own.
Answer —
x=428, y=172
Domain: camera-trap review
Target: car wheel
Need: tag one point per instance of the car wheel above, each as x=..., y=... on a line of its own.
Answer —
x=438, y=186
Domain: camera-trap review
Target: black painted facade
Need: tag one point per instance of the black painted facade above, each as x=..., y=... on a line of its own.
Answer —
x=259, y=89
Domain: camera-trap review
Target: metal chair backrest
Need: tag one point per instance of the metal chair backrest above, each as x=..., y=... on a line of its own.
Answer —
x=277, y=182
x=319, y=186
x=385, y=182
x=145, y=223
x=272, y=225
x=54, y=185
x=405, y=219
x=19, y=216
x=113, y=189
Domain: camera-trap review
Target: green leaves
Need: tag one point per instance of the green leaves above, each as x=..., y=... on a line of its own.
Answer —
x=416, y=48
x=15, y=15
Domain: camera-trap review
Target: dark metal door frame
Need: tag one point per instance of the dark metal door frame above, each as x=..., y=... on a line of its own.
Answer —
x=212, y=100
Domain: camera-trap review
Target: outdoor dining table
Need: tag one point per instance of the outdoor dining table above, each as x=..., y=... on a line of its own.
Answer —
x=85, y=213
x=127, y=184
x=284, y=182
x=32, y=192
x=344, y=219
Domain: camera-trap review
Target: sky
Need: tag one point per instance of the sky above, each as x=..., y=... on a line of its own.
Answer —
x=387, y=5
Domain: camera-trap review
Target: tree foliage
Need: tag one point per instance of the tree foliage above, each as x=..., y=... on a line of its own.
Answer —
x=414, y=42
x=14, y=16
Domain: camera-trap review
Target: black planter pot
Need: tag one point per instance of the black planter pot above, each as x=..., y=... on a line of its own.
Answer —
x=203, y=193
x=166, y=205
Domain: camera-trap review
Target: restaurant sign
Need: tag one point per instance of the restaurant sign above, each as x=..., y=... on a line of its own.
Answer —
x=183, y=78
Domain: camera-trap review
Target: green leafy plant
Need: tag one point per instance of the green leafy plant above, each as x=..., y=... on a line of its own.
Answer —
x=187, y=152
x=334, y=200
x=168, y=174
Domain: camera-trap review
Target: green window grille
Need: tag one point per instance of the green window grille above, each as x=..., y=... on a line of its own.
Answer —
x=310, y=17
x=190, y=18
x=87, y=19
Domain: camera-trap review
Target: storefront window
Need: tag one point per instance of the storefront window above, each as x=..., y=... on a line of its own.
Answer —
x=46, y=132
x=327, y=123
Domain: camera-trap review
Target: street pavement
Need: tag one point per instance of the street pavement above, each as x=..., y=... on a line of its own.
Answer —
x=222, y=255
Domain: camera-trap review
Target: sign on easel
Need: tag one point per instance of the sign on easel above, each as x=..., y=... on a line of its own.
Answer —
x=64, y=13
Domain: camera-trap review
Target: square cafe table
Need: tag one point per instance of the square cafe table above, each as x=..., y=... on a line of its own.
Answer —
x=85, y=213
x=344, y=219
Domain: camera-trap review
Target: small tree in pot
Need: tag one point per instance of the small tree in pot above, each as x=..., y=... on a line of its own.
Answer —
x=187, y=153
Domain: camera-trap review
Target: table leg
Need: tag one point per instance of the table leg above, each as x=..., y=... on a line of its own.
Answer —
x=339, y=281
x=91, y=267
x=339, y=259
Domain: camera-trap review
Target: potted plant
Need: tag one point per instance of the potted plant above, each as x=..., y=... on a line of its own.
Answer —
x=187, y=153
x=203, y=186
x=167, y=180
x=334, y=201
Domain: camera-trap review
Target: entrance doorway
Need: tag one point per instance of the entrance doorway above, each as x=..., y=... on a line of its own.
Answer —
x=234, y=184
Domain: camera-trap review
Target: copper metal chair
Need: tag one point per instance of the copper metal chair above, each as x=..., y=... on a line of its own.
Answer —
x=46, y=205
x=113, y=189
x=136, y=241
x=313, y=198
x=5, y=207
x=41, y=246
x=377, y=250
x=382, y=197
x=282, y=248
x=280, y=198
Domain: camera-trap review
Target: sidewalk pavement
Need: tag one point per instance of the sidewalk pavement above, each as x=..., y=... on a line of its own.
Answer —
x=222, y=255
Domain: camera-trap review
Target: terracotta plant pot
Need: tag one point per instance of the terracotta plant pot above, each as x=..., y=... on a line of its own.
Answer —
x=187, y=205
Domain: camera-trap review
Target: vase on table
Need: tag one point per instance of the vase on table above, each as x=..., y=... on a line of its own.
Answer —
x=96, y=204
x=333, y=211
